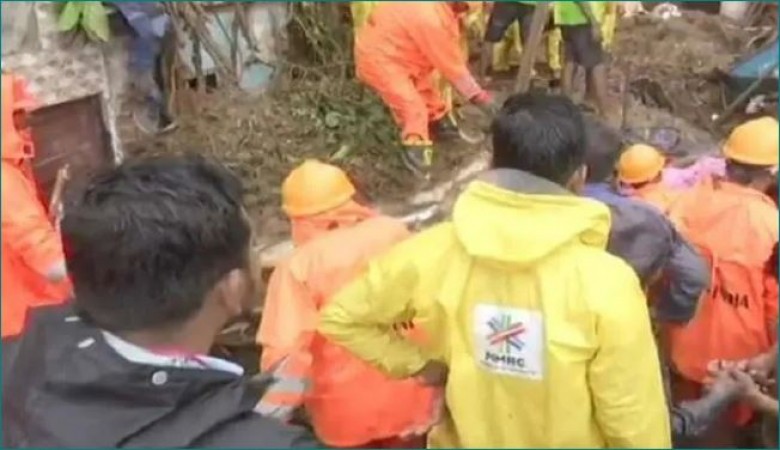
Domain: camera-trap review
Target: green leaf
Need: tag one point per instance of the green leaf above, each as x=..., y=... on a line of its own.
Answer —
x=96, y=20
x=70, y=15
x=342, y=153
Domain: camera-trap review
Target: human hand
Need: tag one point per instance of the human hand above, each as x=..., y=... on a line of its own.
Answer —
x=729, y=383
x=438, y=407
x=761, y=367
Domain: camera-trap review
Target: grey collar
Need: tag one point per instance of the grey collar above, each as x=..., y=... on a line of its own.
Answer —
x=522, y=182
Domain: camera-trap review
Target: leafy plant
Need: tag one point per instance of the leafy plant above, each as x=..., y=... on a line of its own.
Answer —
x=91, y=17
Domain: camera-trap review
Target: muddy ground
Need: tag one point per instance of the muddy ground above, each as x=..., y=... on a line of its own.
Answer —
x=671, y=66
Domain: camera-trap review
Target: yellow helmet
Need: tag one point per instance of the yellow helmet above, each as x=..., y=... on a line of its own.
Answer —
x=315, y=187
x=754, y=142
x=640, y=163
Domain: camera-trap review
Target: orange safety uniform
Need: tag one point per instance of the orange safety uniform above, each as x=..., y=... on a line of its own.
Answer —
x=657, y=194
x=31, y=246
x=399, y=51
x=735, y=228
x=350, y=403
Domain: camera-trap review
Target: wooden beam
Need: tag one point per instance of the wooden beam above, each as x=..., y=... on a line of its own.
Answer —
x=531, y=47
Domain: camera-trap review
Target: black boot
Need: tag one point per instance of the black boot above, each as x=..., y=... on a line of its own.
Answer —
x=418, y=158
x=445, y=129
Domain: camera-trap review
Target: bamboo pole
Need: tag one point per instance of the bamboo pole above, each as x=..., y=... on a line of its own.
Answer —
x=530, y=48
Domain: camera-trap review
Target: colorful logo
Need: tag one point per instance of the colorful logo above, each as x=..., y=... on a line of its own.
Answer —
x=506, y=333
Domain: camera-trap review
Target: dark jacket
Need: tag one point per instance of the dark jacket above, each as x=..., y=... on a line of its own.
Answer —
x=644, y=238
x=64, y=386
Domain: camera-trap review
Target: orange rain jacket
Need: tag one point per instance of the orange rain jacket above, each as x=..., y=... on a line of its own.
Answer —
x=31, y=246
x=350, y=402
x=399, y=51
x=658, y=195
x=736, y=229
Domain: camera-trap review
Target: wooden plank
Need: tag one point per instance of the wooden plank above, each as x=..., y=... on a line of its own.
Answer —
x=530, y=48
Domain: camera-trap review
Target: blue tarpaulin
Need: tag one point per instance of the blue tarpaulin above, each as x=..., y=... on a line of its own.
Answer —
x=755, y=65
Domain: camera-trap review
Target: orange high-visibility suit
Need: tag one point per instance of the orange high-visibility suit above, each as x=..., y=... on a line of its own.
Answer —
x=31, y=246
x=350, y=403
x=658, y=195
x=398, y=53
x=736, y=227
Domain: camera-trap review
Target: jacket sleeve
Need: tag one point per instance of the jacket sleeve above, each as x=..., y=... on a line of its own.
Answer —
x=26, y=228
x=686, y=278
x=625, y=374
x=441, y=46
x=691, y=419
x=289, y=319
x=362, y=315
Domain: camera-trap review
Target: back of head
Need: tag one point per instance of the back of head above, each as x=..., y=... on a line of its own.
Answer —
x=146, y=242
x=540, y=134
x=603, y=148
x=315, y=187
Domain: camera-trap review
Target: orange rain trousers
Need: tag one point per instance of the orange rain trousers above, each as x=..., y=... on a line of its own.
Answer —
x=350, y=403
x=735, y=228
x=31, y=246
x=398, y=53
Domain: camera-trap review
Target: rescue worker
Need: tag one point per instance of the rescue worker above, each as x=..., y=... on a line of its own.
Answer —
x=503, y=16
x=159, y=254
x=640, y=172
x=642, y=236
x=735, y=226
x=397, y=54
x=608, y=25
x=509, y=292
x=33, y=263
x=350, y=403
x=647, y=241
x=580, y=24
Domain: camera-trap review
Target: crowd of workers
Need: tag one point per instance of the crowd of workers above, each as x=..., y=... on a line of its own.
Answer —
x=583, y=293
x=404, y=51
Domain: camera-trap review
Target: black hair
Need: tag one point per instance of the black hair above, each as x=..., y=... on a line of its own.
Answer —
x=541, y=134
x=745, y=174
x=604, y=145
x=145, y=242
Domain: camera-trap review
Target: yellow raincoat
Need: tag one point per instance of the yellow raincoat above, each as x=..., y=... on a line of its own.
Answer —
x=546, y=336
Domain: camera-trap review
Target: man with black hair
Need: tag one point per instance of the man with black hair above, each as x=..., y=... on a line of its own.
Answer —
x=158, y=252
x=642, y=236
x=540, y=336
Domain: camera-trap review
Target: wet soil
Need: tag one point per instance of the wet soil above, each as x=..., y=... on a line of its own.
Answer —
x=672, y=68
x=671, y=65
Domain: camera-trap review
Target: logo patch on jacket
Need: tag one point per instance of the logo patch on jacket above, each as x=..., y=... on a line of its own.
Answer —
x=510, y=341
